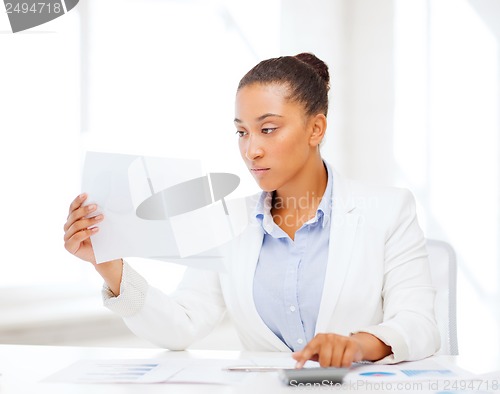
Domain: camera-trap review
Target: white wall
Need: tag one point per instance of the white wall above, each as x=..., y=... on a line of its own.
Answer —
x=355, y=38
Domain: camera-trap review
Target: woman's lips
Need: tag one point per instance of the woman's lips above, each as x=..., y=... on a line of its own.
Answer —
x=259, y=171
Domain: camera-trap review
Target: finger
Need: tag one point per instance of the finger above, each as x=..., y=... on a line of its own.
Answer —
x=350, y=355
x=338, y=352
x=73, y=244
x=77, y=202
x=82, y=224
x=307, y=352
x=73, y=226
x=78, y=214
x=325, y=353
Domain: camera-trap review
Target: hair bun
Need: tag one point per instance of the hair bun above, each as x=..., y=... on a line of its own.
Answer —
x=319, y=65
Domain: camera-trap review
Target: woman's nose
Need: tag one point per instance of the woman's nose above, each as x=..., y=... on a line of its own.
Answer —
x=253, y=148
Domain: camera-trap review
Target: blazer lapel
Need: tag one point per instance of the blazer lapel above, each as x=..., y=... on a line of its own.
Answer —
x=249, y=255
x=344, y=222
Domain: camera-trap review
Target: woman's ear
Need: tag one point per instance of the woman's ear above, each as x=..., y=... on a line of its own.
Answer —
x=318, y=125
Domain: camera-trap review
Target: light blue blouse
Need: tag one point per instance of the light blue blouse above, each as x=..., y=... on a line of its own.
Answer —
x=289, y=276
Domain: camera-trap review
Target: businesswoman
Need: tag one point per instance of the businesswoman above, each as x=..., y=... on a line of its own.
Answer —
x=331, y=269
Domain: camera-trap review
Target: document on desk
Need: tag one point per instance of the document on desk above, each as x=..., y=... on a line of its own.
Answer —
x=149, y=371
x=116, y=371
x=162, y=208
x=406, y=371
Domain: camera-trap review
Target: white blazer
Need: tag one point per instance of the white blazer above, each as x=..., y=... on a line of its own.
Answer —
x=377, y=281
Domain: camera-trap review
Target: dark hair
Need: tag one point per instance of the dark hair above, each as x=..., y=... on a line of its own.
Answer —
x=306, y=77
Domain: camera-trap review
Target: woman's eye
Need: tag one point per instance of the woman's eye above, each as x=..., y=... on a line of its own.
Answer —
x=241, y=133
x=268, y=130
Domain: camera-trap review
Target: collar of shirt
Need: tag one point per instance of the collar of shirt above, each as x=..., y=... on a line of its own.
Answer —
x=323, y=213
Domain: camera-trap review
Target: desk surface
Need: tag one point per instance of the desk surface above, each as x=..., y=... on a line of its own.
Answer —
x=23, y=368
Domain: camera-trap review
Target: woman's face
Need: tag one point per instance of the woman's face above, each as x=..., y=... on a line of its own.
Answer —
x=274, y=135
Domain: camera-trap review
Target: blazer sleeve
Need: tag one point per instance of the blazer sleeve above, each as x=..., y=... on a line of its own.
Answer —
x=409, y=324
x=172, y=321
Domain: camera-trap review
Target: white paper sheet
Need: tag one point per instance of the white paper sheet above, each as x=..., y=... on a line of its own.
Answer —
x=407, y=371
x=209, y=371
x=149, y=371
x=146, y=203
x=116, y=371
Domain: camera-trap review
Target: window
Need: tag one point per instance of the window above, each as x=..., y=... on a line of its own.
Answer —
x=131, y=76
x=447, y=144
x=40, y=151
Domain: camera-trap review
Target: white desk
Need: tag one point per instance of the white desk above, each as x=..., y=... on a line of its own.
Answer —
x=23, y=368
